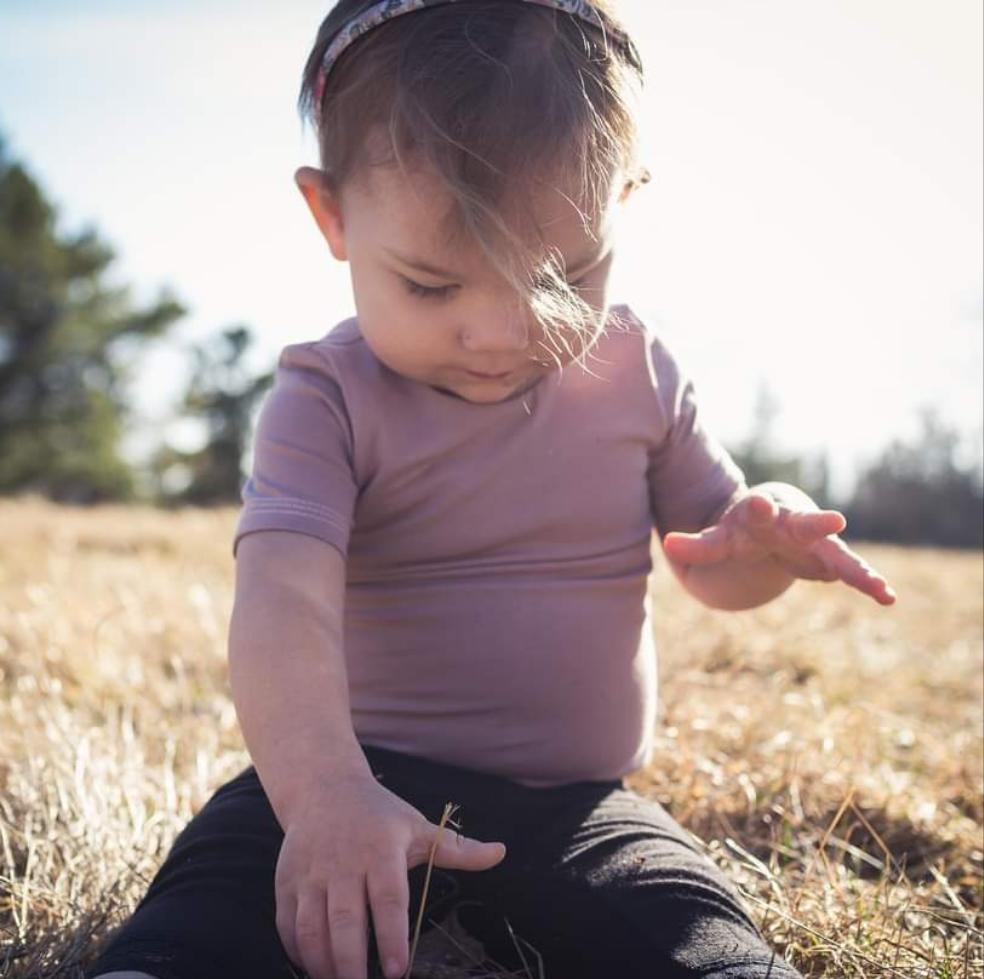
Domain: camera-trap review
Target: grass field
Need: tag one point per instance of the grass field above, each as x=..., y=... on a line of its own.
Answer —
x=828, y=751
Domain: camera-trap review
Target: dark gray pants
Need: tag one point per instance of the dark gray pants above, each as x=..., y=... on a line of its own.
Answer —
x=601, y=881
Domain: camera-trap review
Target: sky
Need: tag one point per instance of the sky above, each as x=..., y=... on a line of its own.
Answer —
x=814, y=223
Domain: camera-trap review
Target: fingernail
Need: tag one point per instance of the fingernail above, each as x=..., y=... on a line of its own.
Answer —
x=393, y=970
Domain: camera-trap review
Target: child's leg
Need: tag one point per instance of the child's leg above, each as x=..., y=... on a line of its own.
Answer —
x=603, y=882
x=599, y=880
x=210, y=909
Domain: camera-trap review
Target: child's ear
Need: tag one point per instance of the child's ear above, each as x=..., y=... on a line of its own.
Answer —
x=325, y=206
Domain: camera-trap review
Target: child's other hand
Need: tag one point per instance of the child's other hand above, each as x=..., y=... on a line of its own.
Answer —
x=349, y=843
x=804, y=542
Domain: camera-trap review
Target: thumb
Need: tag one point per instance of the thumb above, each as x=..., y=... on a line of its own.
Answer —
x=456, y=852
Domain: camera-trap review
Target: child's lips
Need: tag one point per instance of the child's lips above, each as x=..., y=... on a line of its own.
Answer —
x=501, y=376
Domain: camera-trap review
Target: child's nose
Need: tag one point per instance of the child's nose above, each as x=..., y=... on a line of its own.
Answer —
x=496, y=334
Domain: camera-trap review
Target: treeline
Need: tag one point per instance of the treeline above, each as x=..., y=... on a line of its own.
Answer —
x=915, y=492
x=69, y=348
x=70, y=345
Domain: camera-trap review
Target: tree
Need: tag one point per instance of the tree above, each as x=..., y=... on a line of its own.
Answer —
x=68, y=343
x=221, y=396
x=919, y=493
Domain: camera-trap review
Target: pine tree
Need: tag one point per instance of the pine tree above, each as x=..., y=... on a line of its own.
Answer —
x=68, y=344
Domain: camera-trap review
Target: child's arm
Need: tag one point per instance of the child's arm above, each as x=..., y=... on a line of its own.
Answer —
x=286, y=667
x=348, y=841
x=761, y=543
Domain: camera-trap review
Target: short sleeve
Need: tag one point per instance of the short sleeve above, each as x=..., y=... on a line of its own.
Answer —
x=302, y=478
x=691, y=475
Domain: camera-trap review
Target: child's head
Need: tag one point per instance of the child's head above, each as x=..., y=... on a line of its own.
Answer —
x=493, y=140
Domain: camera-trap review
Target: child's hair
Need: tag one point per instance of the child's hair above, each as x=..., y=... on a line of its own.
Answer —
x=492, y=96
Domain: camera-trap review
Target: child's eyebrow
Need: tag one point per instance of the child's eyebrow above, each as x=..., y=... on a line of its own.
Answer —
x=422, y=265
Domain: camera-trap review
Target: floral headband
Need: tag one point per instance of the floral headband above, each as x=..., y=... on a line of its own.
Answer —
x=385, y=10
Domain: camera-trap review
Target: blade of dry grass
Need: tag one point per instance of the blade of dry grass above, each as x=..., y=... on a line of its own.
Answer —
x=449, y=811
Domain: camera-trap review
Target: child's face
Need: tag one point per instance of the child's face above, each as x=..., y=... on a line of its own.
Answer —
x=457, y=325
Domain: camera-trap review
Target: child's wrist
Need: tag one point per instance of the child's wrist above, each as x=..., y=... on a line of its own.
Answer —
x=292, y=786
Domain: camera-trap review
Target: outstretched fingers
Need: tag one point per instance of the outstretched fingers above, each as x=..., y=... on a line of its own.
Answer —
x=806, y=527
x=804, y=541
x=771, y=522
x=854, y=570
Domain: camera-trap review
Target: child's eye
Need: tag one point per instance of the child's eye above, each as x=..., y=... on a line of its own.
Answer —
x=427, y=292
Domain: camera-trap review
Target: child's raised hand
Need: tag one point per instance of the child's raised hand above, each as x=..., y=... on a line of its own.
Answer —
x=802, y=541
x=351, y=843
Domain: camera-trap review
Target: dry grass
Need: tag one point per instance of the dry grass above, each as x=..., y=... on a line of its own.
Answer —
x=828, y=750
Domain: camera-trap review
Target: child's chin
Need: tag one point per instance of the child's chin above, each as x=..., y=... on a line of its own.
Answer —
x=479, y=391
x=475, y=394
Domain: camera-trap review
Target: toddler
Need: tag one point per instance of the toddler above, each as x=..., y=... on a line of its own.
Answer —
x=443, y=552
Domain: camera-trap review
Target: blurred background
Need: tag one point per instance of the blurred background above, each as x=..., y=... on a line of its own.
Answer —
x=810, y=246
